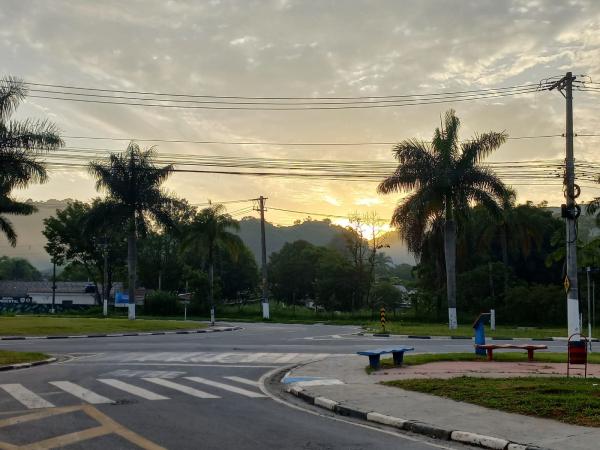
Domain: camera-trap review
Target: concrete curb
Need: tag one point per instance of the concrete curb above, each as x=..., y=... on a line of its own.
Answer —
x=26, y=365
x=147, y=333
x=499, y=338
x=464, y=437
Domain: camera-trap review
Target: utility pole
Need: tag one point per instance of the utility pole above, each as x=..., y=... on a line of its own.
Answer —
x=53, y=283
x=263, y=243
x=589, y=308
x=105, y=292
x=570, y=211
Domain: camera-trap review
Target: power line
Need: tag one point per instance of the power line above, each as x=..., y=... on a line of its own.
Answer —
x=299, y=144
x=305, y=212
x=538, y=86
x=400, y=103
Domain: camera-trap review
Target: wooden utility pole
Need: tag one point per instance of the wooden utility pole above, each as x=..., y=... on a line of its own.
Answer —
x=570, y=211
x=265, y=298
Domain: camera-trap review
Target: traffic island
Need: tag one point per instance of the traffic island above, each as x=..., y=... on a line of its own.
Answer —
x=10, y=360
x=341, y=385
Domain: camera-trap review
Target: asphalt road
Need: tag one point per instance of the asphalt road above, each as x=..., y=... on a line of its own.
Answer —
x=188, y=392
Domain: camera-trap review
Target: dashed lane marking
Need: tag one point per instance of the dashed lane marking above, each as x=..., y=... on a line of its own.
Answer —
x=180, y=387
x=130, y=388
x=81, y=392
x=25, y=396
x=226, y=387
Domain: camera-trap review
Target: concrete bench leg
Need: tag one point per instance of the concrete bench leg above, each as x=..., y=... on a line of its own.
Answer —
x=398, y=358
x=374, y=361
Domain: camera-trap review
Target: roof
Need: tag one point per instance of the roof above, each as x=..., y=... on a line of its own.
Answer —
x=10, y=288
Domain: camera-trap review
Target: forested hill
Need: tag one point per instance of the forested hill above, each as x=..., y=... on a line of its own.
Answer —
x=319, y=232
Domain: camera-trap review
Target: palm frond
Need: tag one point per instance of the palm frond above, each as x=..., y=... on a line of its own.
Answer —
x=8, y=230
x=482, y=145
x=12, y=92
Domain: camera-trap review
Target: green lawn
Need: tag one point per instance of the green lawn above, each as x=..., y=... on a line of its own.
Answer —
x=8, y=357
x=570, y=400
x=432, y=329
x=506, y=356
x=53, y=326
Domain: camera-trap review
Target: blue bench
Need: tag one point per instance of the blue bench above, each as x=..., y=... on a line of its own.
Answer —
x=375, y=355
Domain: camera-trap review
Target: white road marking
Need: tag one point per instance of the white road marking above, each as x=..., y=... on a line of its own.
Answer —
x=226, y=387
x=253, y=357
x=25, y=396
x=243, y=380
x=180, y=388
x=130, y=388
x=286, y=357
x=81, y=392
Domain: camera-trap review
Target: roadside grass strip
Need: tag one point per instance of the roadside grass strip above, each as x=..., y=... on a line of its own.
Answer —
x=500, y=356
x=570, y=400
x=9, y=357
x=438, y=329
x=71, y=326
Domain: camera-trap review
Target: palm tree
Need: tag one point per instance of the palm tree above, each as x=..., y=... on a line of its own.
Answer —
x=21, y=144
x=208, y=232
x=444, y=178
x=133, y=184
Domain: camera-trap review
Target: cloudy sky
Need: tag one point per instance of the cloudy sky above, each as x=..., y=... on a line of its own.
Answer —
x=303, y=48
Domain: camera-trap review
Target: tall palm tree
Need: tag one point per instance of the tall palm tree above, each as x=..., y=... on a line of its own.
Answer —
x=444, y=177
x=209, y=231
x=21, y=145
x=133, y=185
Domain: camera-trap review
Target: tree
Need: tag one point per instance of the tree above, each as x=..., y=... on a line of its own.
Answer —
x=293, y=271
x=133, y=184
x=207, y=232
x=75, y=238
x=21, y=144
x=444, y=178
x=18, y=269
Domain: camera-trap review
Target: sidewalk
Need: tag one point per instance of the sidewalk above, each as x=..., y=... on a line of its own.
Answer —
x=361, y=393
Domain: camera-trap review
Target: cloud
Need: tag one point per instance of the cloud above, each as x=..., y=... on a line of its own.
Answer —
x=292, y=48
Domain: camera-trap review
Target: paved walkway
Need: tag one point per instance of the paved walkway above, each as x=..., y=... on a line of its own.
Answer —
x=362, y=392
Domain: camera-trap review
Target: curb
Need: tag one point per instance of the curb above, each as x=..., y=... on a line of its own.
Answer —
x=464, y=437
x=497, y=338
x=147, y=333
x=26, y=365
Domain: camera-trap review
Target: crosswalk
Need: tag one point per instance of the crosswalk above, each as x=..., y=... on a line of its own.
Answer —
x=207, y=357
x=167, y=387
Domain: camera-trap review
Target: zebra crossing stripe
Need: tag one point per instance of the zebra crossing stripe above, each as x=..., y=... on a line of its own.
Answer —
x=180, y=388
x=25, y=396
x=286, y=357
x=226, y=387
x=81, y=392
x=131, y=389
x=243, y=381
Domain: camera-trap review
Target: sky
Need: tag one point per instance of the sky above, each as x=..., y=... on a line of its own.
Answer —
x=305, y=49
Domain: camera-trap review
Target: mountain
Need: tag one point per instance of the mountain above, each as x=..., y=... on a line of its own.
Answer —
x=31, y=241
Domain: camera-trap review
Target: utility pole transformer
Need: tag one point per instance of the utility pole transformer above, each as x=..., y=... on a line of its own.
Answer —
x=263, y=243
x=570, y=211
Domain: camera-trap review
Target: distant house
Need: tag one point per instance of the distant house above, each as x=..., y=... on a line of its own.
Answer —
x=40, y=292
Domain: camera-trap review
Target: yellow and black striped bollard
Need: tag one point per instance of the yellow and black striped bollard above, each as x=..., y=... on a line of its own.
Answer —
x=382, y=316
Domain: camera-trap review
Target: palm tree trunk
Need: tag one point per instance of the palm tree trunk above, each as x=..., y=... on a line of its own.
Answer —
x=504, y=246
x=131, y=269
x=450, y=256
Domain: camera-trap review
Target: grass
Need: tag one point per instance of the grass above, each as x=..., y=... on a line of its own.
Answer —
x=571, y=400
x=508, y=356
x=8, y=357
x=432, y=329
x=60, y=326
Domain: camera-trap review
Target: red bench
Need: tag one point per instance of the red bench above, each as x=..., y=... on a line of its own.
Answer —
x=489, y=348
